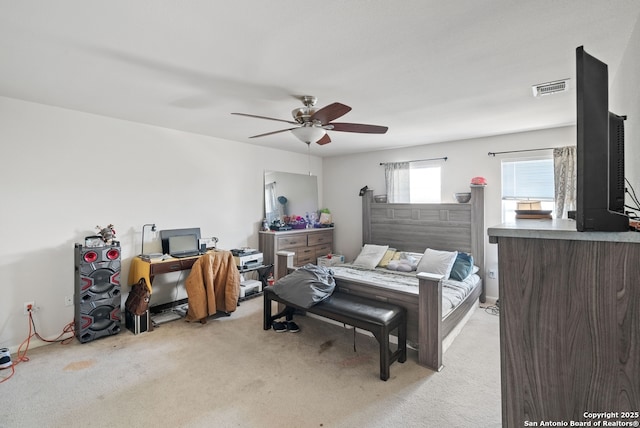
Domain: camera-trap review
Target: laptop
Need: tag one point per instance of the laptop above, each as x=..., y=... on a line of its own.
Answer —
x=181, y=246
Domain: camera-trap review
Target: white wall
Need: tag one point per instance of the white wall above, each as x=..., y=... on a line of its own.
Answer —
x=624, y=99
x=64, y=172
x=466, y=159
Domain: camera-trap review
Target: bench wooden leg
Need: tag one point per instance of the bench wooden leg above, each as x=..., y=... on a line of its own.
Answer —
x=384, y=354
x=402, y=342
x=266, y=312
x=268, y=318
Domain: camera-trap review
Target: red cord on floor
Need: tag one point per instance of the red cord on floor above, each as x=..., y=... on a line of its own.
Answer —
x=22, y=355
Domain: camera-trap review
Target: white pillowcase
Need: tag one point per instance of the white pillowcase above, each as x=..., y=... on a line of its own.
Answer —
x=406, y=262
x=400, y=265
x=438, y=262
x=370, y=256
x=411, y=258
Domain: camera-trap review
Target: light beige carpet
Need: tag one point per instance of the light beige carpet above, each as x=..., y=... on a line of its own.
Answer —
x=231, y=373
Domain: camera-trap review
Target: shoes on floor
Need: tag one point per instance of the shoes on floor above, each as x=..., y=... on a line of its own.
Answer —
x=289, y=326
x=279, y=327
x=292, y=327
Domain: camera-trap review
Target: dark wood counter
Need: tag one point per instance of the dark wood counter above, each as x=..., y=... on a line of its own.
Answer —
x=569, y=322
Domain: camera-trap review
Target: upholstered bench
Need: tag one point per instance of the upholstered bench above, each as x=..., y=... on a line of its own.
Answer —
x=379, y=318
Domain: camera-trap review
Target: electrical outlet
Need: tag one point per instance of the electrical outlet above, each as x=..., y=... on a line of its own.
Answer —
x=28, y=305
x=492, y=273
x=68, y=300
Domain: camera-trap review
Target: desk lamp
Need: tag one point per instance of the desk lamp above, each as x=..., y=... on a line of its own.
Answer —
x=153, y=229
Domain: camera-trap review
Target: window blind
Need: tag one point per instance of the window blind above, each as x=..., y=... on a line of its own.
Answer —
x=528, y=179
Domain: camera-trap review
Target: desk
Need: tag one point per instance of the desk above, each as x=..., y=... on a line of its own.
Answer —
x=148, y=269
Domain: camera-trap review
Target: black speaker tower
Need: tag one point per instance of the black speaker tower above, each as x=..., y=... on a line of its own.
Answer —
x=97, y=291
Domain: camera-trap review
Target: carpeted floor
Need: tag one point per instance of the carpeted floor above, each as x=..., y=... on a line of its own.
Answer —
x=231, y=373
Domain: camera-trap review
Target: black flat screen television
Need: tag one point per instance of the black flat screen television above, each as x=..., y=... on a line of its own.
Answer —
x=600, y=189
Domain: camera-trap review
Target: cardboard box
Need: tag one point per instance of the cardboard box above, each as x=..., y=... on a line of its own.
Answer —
x=529, y=206
x=335, y=259
x=138, y=323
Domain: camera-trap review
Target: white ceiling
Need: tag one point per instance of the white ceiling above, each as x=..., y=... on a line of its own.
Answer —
x=431, y=71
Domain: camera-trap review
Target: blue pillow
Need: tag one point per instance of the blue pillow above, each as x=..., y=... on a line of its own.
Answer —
x=462, y=267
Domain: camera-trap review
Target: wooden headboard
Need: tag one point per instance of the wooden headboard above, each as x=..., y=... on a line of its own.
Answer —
x=415, y=227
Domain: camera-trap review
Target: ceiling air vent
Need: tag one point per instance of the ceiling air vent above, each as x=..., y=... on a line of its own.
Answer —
x=550, y=87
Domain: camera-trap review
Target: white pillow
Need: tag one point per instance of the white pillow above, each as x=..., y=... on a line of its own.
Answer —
x=438, y=262
x=410, y=258
x=400, y=265
x=370, y=256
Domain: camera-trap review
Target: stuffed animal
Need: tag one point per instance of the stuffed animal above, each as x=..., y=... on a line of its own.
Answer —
x=108, y=233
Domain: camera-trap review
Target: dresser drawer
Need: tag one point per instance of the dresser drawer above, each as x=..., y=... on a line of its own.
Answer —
x=322, y=250
x=305, y=255
x=289, y=242
x=320, y=238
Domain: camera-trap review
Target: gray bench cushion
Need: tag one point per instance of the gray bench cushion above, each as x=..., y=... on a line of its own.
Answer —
x=356, y=308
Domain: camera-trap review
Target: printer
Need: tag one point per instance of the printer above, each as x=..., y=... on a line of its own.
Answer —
x=247, y=258
x=249, y=287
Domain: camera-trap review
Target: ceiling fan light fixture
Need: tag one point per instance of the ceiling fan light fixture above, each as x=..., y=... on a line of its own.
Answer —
x=308, y=134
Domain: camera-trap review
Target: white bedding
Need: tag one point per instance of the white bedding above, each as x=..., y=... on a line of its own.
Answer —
x=453, y=292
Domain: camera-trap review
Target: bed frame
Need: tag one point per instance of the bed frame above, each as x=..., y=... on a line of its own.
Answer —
x=414, y=227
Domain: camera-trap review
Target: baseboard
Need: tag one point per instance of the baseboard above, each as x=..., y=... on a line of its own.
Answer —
x=490, y=301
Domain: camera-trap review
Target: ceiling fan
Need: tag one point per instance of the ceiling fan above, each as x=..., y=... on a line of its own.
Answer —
x=313, y=123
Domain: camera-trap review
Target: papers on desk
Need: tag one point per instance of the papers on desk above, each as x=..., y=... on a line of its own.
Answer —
x=154, y=256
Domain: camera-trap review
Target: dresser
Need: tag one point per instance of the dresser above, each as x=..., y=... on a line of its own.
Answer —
x=307, y=244
x=569, y=323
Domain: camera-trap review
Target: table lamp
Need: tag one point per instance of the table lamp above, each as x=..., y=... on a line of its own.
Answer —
x=151, y=255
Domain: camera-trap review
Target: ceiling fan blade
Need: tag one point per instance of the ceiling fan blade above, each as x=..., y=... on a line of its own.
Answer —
x=324, y=140
x=271, y=133
x=357, y=127
x=330, y=112
x=265, y=117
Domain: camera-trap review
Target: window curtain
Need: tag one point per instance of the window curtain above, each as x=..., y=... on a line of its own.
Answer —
x=396, y=175
x=270, y=202
x=564, y=171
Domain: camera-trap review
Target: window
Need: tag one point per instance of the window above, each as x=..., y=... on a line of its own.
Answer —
x=424, y=183
x=526, y=179
x=412, y=182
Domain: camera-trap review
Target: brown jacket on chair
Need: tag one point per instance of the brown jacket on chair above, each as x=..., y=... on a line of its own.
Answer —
x=213, y=285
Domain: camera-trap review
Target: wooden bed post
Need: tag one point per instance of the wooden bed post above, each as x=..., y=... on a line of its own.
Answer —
x=477, y=232
x=285, y=261
x=366, y=216
x=430, y=321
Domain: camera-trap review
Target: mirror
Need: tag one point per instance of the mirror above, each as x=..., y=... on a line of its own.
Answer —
x=287, y=194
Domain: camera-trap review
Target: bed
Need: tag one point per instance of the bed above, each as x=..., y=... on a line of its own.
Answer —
x=412, y=228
